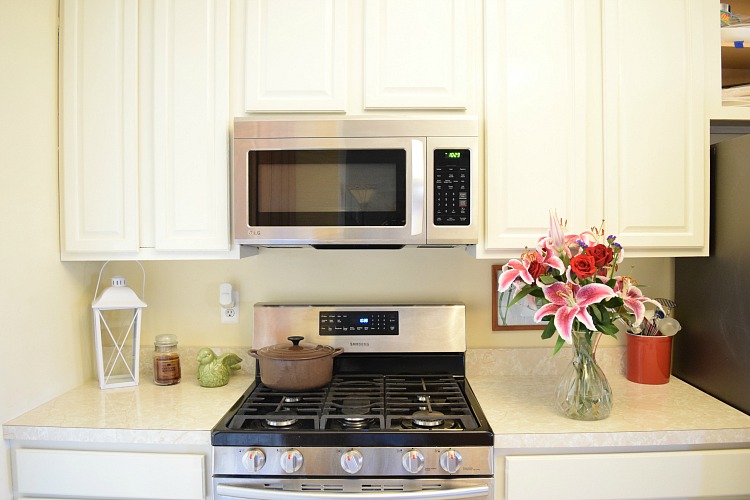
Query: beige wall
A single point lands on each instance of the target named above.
(43, 337)
(183, 297)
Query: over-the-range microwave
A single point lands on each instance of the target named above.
(356, 182)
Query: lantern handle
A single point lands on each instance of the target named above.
(99, 280)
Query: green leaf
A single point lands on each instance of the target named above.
(549, 330)
(523, 292)
(558, 345)
(597, 313)
(547, 279)
(607, 328)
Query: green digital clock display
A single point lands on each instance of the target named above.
(453, 154)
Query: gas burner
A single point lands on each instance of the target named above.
(428, 418)
(281, 419)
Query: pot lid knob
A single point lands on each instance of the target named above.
(296, 339)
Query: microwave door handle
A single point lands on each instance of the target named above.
(250, 493)
(418, 169)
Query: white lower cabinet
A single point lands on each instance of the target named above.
(52, 473)
(637, 475)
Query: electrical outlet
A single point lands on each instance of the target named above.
(231, 314)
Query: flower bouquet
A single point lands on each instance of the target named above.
(574, 277)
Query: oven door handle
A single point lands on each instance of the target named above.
(418, 168)
(229, 491)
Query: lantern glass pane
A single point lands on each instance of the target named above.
(119, 344)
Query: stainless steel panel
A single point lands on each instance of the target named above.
(422, 328)
(326, 461)
(370, 127)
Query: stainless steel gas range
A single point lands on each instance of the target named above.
(398, 419)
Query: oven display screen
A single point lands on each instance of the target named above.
(358, 323)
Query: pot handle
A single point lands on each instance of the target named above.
(337, 351)
(253, 353)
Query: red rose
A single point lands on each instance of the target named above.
(583, 265)
(536, 269)
(602, 254)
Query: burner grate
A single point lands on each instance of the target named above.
(267, 408)
(354, 403)
(360, 403)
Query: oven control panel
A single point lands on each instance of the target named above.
(327, 461)
(358, 323)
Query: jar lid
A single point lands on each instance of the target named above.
(295, 350)
(165, 339)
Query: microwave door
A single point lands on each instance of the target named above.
(332, 192)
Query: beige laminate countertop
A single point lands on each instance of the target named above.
(515, 388)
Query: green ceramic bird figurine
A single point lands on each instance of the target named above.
(214, 371)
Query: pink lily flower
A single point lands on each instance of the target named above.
(568, 302)
(531, 265)
(633, 298)
(511, 271)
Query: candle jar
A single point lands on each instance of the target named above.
(166, 360)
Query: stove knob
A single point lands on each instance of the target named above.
(451, 461)
(254, 459)
(291, 461)
(413, 461)
(351, 461)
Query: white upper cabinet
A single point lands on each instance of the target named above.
(602, 120)
(655, 132)
(543, 120)
(296, 54)
(144, 103)
(349, 57)
(416, 54)
(98, 126)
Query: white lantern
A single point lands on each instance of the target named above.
(117, 332)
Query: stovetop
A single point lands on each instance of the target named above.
(359, 410)
(360, 402)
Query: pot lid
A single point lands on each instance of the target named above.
(295, 350)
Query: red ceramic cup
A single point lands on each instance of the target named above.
(649, 359)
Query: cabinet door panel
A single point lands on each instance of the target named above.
(654, 128)
(99, 125)
(189, 169)
(688, 474)
(543, 108)
(296, 55)
(99, 474)
(416, 54)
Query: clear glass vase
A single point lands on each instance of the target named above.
(583, 392)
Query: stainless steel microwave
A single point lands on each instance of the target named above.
(356, 182)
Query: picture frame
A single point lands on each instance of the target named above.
(520, 316)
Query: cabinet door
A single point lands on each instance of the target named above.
(184, 162)
(417, 53)
(543, 120)
(679, 474)
(655, 131)
(109, 474)
(296, 55)
(99, 125)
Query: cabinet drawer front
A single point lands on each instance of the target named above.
(680, 474)
(98, 474)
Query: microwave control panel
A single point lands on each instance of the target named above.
(452, 202)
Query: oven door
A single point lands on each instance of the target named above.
(329, 191)
(353, 489)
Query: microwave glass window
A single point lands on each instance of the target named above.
(328, 187)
